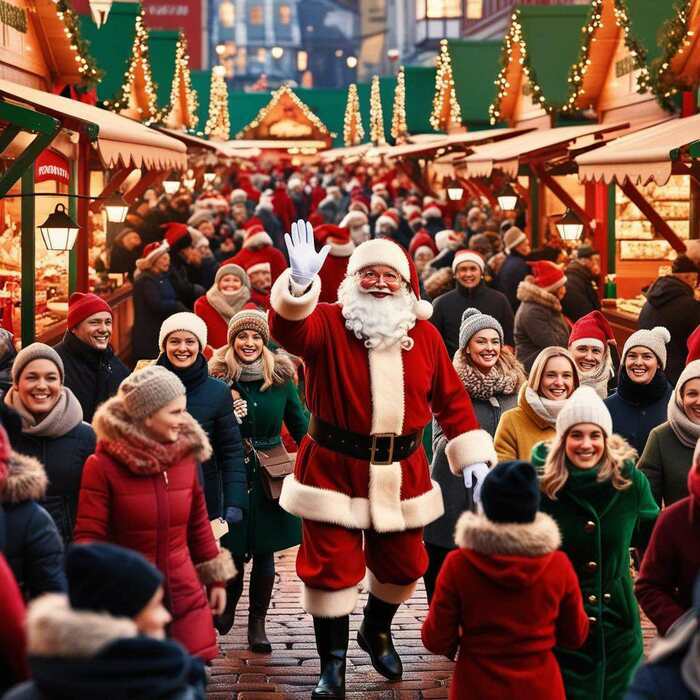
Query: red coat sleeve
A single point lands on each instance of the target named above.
(572, 623)
(440, 632)
(92, 521)
(13, 640)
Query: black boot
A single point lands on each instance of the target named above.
(260, 592)
(234, 588)
(332, 646)
(374, 636)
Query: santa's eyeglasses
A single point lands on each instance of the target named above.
(391, 279)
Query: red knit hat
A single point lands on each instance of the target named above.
(592, 326)
(325, 231)
(81, 306)
(151, 253)
(422, 239)
(177, 235)
(547, 275)
(693, 345)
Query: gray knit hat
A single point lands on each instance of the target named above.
(36, 351)
(513, 237)
(655, 339)
(146, 391)
(232, 269)
(472, 321)
(249, 320)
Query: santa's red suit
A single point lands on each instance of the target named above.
(333, 271)
(257, 248)
(383, 391)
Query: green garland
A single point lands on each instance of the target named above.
(87, 66)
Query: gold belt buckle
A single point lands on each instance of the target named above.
(373, 449)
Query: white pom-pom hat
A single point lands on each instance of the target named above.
(655, 339)
(382, 251)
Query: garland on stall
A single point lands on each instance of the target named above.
(636, 50)
(87, 67)
(447, 114)
(182, 81)
(399, 127)
(219, 123)
(376, 117)
(353, 131)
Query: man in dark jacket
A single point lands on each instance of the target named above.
(581, 284)
(183, 263)
(515, 268)
(671, 303)
(92, 371)
(470, 292)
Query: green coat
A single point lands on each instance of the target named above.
(598, 545)
(266, 527)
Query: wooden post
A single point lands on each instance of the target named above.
(82, 245)
(28, 245)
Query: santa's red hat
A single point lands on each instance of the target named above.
(422, 240)
(177, 235)
(341, 245)
(432, 211)
(378, 202)
(257, 262)
(389, 218)
(378, 187)
(151, 253)
(547, 275)
(413, 216)
(359, 203)
(354, 219)
(466, 255)
(447, 238)
(382, 251)
(693, 345)
(255, 234)
(592, 329)
(316, 219)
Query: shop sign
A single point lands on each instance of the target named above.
(13, 16)
(51, 166)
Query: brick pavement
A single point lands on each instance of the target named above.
(291, 670)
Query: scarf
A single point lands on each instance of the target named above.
(251, 372)
(193, 376)
(228, 305)
(598, 377)
(642, 394)
(584, 484)
(684, 428)
(62, 418)
(503, 378)
(547, 409)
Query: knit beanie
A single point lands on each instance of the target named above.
(183, 321)
(584, 406)
(693, 345)
(655, 340)
(467, 256)
(472, 322)
(510, 493)
(232, 269)
(249, 320)
(35, 351)
(108, 578)
(512, 238)
(81, 306)
(147, 390)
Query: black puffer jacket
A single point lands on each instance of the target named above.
(33, 547)
(671, 303)
(581, 296)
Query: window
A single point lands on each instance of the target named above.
(475, 9)
(285, 14)
(439, 19)
(439, 9)
(255, 16)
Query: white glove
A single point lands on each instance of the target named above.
(304, 261)
(240, 408)
(476, 472)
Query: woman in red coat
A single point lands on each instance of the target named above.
(140, 490)
(507, 596)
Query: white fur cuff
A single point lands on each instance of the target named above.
(217, 570)
(469, 448)
(321, 603)
(287, 305)
(389, 592)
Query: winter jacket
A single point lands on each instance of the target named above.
(217, 328)
(210, 403)
(92, 375)
(94, 656)
(581, 293)
(671, 563)
(666, 462)
(539, 323)
(513, 271)
(7, 358)
(182, 276)
(63, 459)
(33, 547)
(13, 661)
(505, 599)
(154, 301)
(598, 524)
(448, 310)
(132, 497)
(661, 680)
(671, 303)
(272, 226)
(519, 430)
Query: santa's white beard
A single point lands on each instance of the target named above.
(377, 321)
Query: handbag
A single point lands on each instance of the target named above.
(275, 464)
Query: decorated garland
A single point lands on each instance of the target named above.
(86, 63)
(399, 128)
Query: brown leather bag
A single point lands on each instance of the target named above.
(275, 463)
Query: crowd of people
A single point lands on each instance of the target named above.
(402, 387)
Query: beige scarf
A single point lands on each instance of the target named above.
(62, 418)
(228, 305)
(683, 428)
(546, 409)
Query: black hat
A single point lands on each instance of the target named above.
(684, 264)
(105, 577)
(510, 493)
(586, 251)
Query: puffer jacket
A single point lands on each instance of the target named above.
(33, 548)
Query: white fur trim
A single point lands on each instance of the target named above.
(320, 603)
(259, 267)
(432, 212)
(257, 239)
(385, 220)
(389, 592)
(353, 219)
(342, 250)
(380, 251)
(183, 321)
(443, 238)
(423, 249)
(385, 497)
(588, 341)
(467, 256)
(469, 448)
(287, 305)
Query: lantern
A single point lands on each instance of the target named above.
(570, 227)
(209, 176)
(454, 189)
(116, 208)
(59, 231)
(100, 11)
(189, 183)
(171, 184)
(507, 198)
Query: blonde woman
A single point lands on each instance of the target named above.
(600, 502)
(553, 378)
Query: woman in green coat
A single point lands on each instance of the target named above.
(602, 504)
(265, 396)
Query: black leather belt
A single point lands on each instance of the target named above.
(382, 448)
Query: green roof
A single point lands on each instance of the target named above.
(162, 45)
(475, 66)
(420, 89)
(646, 19)
(111, 45)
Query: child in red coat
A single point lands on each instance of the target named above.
(506, 597)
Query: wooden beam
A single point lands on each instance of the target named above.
(561, 194)
(148, 179)
(83, 241)
(115, 182)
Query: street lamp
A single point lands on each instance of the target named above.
(100, 11)
(455, 191)
(351, 62)
(116, 208)
(59, 231)
(277, 52)
(570, 227)
(171, 184)
(507, 198)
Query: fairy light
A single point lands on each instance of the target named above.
(447, 114)
(376, 117)
(399, 128)
(353, 131)
(182, 83)
(577, 72)
(87, 68)
(218, 123)
(635, 48)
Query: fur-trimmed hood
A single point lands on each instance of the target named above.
(56, 629)
(620, 450)
(26, 480)
(529, 291)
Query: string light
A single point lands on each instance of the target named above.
(447, 114)
(376, 116)
(399, 128)
(577, 72)
(182, 83)
(353, 131)
(637, 52)
(219, 123)
(87, 67)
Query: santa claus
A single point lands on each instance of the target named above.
(376, 374)
(333, 271)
